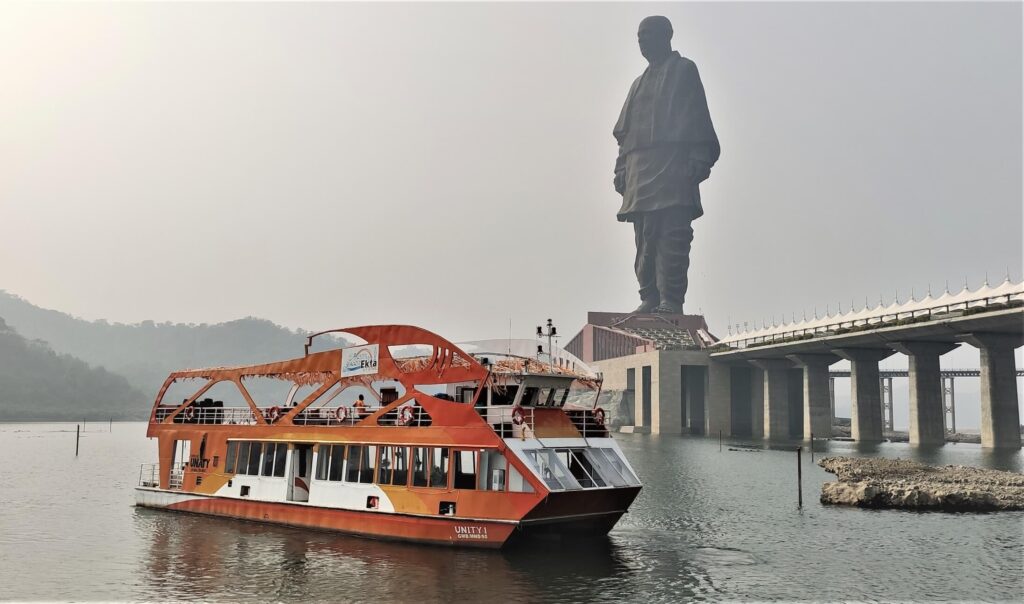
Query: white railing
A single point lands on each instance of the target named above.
(333, 416)
(507, 422)
(149, 475)
(586, 422)
(242, 416)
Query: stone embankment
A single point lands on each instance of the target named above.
(901, 483)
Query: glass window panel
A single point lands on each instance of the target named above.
(243, 457)
(420, 467)
(620, 467)
(529, 396)
(386, 465)
(400, 473)
(355, 460)
(439, 467)
(605, 469)
(336, 463)
(366, 469)
(323, 458)
(280, 459)
(229, 464)
(268, 459)
(492, 470)
(516, 482)
(254, 459)
(465, 469)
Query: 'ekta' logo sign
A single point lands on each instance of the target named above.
(360, 360)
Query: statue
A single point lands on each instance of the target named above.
(667, 146)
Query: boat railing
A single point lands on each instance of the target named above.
(333, 416)
(149, 475)
(586, 421)
(510, 422)
(242, 416)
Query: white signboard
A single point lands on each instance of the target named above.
(359, 360)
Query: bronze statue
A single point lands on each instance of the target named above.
(667, 146)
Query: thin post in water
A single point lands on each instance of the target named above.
(77, 434)
(812, 447)
(719, 441)
(799, 480)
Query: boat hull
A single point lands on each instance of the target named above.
(453, 531)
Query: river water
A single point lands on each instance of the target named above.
(709, 525)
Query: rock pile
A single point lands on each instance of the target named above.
(901, 483)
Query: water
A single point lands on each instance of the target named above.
(708, 526)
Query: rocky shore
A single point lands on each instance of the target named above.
(901, 483)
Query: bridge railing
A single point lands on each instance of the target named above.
(899, 317)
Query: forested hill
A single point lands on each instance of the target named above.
(146, 352)
(38, 384)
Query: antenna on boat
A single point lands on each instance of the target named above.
(552, 332)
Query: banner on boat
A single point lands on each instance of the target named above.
(359, 360)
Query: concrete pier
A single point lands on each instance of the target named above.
(865, 392)
(927, 425)
(756, 402)
(1000, 416)
(776, 397)
(817, 407)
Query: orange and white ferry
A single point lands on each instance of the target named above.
(397, 434)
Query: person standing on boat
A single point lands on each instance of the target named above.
(360, 407)
(667, 146)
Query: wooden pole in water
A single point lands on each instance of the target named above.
(719, 441)
(799, 480)
(812, 447)
(77, 434)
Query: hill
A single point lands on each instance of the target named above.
(36, 383)
(144, 353)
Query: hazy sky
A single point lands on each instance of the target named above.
(449, 165)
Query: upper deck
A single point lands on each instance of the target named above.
(393, 377)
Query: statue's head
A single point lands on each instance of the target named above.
(655, 38)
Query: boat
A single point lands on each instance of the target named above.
(393, 432)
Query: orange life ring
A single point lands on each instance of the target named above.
(405, 415)
(190, 412)
(599, 416)
(341, 413)
(518, 416)
(275, 413)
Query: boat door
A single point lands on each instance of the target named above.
(302, 470)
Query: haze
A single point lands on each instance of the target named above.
(450, 165)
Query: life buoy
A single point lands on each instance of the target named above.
(275, 413)
(599, 416)
(341, 413)
(405, 415)
(190, 412)
(518, 416)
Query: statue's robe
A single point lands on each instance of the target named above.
(667, 144)
(664, 125)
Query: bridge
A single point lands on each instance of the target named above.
(792, 362)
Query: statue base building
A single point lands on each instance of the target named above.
(656, 371)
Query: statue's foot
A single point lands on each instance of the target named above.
(669, 309)
(646, 307)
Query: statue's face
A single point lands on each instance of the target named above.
(655, 37)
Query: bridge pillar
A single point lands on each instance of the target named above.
(927, 412)
(776, 397)
(1000, 415)
(865, 392)
(756, 402)
(817, 402)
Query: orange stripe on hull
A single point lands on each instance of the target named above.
(440, 531)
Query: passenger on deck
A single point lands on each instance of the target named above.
(360, 407)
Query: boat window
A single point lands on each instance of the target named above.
(355, 453)
(439, 467)
(400, 469)
(268, 459)
(337, 463)
(420, 466)
(367, 465)
(254, 459)
(243, 457)
(530, 394)
(516, 482)
(503, 395)
(604, 468)
(552, 471)
(229, 465)
(581, 468)
(465, 394)
(613, 460)
(322, 461)
(386, 463)
(465, 469)
(492, 470)
(280, 459)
